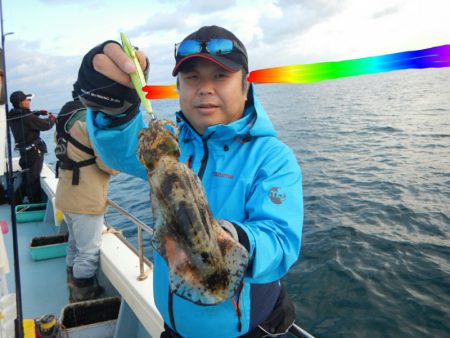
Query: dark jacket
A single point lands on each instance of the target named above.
(26, 126)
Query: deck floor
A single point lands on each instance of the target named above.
(43, 283)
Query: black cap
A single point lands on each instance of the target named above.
(234, 61)
(18, 97)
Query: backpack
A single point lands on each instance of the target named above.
(64, 121)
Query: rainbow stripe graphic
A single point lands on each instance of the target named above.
(155, 92)
(434, 57)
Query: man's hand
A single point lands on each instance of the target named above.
(104, 82)
(51, 117)
(116, 65)
(229, 228)
(40, 112)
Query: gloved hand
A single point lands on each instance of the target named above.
(101, 89)
(230, 228)
(51, 117)
(40, 112)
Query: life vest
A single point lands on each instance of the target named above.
(63, 124)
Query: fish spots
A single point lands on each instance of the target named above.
(218, 280)
(205, 265)
(206, 257)
(168, 183)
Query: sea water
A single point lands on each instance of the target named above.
(375, 157)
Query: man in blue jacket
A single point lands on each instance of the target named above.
(252, 180)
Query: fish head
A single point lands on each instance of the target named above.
(159, 140)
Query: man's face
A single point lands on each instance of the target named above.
(25, 104)
(210, 95)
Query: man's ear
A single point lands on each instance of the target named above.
(245, 83)
(246, 88)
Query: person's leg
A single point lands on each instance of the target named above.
(71, 251)
(23, 190)
(86, 231)
(35, 194)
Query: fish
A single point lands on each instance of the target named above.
(206, 264)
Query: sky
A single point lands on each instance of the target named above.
(50, 37)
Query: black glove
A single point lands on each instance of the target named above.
(100, 93)
(41, 112)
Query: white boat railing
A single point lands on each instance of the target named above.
(140, 226)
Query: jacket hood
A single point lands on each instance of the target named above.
(254, 122)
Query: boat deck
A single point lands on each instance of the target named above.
(43, 283)
(40, 295)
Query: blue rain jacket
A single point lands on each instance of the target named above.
(251, 179)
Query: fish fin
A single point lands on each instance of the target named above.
(193, 292)
(236, 260)
(220, 284)
(160, 231)
(156, 210)
(184, 278)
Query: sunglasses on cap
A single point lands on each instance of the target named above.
(212, 46)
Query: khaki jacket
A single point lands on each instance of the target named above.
(90, 195)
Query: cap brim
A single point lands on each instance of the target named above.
(225, 63)
(29, 96)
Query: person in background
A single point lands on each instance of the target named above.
(252, 180)
(26, 126)
(81, 194)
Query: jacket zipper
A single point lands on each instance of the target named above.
(204, 160)
(171, 315)
(237, 306)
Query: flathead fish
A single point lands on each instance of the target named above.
(206, 264)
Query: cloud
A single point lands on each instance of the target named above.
(74, 2)
(162, 22)
(208, 6)
(49, 77)
(186, 17)
(385, 12)
(275, 32)
(291, 17)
